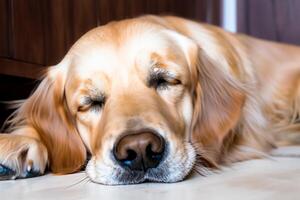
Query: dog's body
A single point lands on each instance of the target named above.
(150, 98)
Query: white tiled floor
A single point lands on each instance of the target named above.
(274, 178)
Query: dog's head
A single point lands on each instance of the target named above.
(142, 98)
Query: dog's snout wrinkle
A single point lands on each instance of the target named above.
(134, 123)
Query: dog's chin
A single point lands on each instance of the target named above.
(174, 168)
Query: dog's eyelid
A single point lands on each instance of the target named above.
(95, 102)
(162, 78)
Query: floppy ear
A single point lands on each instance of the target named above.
(217, 97)
(218, 101)
(46, 111)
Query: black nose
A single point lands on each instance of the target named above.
(140, 151)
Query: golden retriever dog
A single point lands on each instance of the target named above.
(152, 99)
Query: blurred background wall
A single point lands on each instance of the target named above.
(37, 33)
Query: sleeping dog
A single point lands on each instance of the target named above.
(152, 98)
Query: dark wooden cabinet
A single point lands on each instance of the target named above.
(38, 33)
(276, 20)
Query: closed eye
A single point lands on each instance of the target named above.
(161, 79)
(161, 82)
(92, 103)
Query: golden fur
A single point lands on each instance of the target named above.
(227, 98)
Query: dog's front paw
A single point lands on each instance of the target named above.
(6, 173)
(21, 157)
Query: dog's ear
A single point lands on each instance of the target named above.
(218, 97)
(46, 111)
(218, 101)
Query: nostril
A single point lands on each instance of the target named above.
(153, 156)
(131, 155)
(150, 153)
